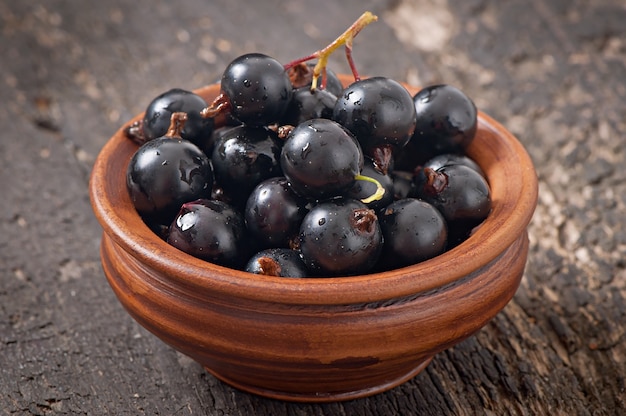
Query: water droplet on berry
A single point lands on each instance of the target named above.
(186, 221)
(305, 151)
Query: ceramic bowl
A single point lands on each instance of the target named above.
(316, 339)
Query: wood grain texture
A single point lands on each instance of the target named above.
(552, 72)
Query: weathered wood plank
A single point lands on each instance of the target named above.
(72, 72)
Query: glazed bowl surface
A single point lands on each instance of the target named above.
(318, 339)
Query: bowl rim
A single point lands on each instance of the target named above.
(513, 198)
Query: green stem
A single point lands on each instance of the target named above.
(346, 39)
(380, 191)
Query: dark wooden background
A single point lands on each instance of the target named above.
(553, 72)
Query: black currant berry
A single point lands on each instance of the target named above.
(257, 89)
(273, 213)
(340, 237)
(321, 159)
(157, 117)
(210, 230)
(460, 193)
(413, 231)
(279, 262)
(446, 119)
(166, 172)
(243, 157)
(216, 136)
(307, 104)
(380, 113)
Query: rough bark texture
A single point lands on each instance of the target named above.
(552, 72)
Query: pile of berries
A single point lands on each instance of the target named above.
(288, 173)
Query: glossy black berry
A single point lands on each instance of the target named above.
(321, 159)
(413, 231)
(273, 213)
(157, 117)
(164, 173)
(307, 104)
(210, 230)
(460, 193)
(279, 262)
(217, 134)
(243, 157)
(380, 113)
(258, 89)
(446, 119)
(340, 237)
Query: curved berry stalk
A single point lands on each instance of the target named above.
(377, 195)
(345, 39)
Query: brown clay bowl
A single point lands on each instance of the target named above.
(315, 339)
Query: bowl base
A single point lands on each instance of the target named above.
(321, 397)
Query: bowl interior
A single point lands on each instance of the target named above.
(509, 171)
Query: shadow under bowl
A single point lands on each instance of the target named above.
(316, 339)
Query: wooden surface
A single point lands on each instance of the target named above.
(553, 72)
